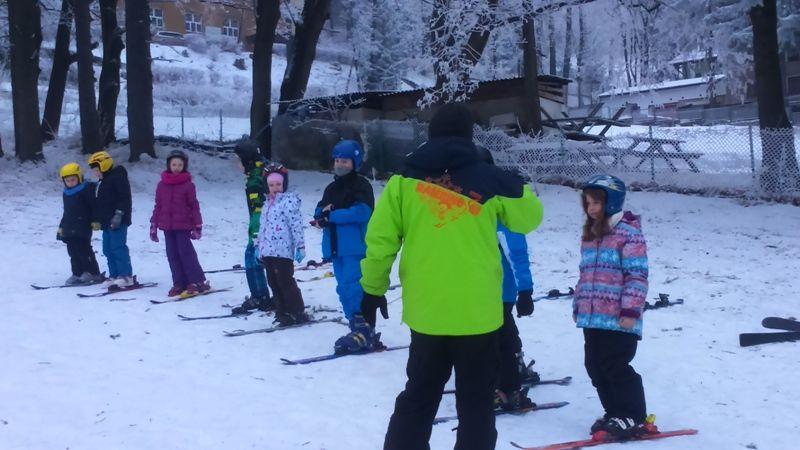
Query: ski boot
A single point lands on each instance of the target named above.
(526, 373)
(193, 289)
(122, 283)
(73, 280)
(288, 319)
(361, 338)
(251, 303)
(598, 424)
(88, 278)
(622, 428)
(175, 291)
(515, 400)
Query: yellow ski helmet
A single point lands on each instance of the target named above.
(102, 160)
(71, 169)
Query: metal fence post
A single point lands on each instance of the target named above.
(752, 155)
(652, 157)
(182, 129)
(220, 127)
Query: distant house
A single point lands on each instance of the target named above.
(222, 19)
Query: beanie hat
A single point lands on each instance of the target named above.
(451, 120)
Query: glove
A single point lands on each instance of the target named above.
(196, 234)
(116, 219)
(369, 304)
(299, 254)
(153, 232)
(96, 226)
(60, 234)
(524, 303)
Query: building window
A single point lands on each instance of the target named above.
(194, 23)
(157, 18)
(231, 28)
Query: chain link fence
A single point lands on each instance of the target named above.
(723, 160)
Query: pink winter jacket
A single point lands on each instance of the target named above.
(176, 205)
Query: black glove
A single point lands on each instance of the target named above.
(369, 304)
(524, 303)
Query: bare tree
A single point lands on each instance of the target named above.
(302, 50)
(533, 121)
(62, 59)
(581, 51)
(777, 137)
(25, 30)
(567, 64)
(87, 102)
(109, 74)
(268, 12)
(140, 79)
(551, 35)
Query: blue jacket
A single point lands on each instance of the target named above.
(353, 201)
(516, 266)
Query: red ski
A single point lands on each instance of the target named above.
(604, 438)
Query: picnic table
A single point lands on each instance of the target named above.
(655, 150)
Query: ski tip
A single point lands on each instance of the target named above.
(288, 362)
(515, 445)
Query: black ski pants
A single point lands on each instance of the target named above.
(81, 257)
(430, 362)
(285, 292)
(510, 349)
(608, 357)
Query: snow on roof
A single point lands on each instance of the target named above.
(697, 55)
(660, 86)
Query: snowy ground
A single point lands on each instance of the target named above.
(160, 383)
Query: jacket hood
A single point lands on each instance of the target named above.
(632, 220)
(445, 153)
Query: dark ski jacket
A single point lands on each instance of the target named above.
(353, 201)
(113, 193)
(76, 222)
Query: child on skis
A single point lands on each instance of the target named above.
(75, 228)
(252, 164)
(343, 214)
(177, 213)
(609, 303)
(112, 210)
(280, 241)
(517, 290)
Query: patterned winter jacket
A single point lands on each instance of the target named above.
(613, 278)
(282, 227)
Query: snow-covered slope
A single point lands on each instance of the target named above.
(160, 383)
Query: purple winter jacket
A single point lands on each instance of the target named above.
(176, 205)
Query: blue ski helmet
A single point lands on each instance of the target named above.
(349, 149)
(614, 188)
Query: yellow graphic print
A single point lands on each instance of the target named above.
(445, 204)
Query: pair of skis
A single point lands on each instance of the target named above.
(328, 357)
(323, 319)
(553, 294)
(662, 302)
(184, 297)
(558, 381)
(314, 310)
(116, 290)
(310, 265)
(790, 333)
(61, 286)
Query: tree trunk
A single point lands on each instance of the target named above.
(532, 120)
(779, 165)
(551, 33)
(25, 32)
(627, 58)
(268, 12)
(1, 147)
(140, 79)
(304, 49)
(109, 74)
(62, 59)
(87, 102)
(566, 65)
(581, 50)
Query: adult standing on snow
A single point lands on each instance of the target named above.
(443, 210)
